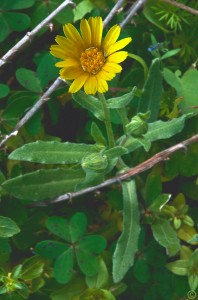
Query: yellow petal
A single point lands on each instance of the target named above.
(118, 45)
(62, 41)
(102, 86)
(96, 27)
(78, 83)
(111, 36)
(117, 57)
(85, 32)
(72, 33)
(57, 51)
(112, 68)
(105, 75)
(70, 73)
(91, 85)
(70, 62)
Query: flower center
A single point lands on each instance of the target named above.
(92, 60)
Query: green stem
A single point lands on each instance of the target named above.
(123, 115)
(107, 120)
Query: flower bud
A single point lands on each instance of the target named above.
(176, 223)
(94, 162)
(138, 125)
(188, 221)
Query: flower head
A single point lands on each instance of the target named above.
(87, 59)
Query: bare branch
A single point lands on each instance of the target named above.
(146, 165)
(29, 35)
(46, 95)
(134, 8)
(33, 110)
(114, 11)
(182, 6)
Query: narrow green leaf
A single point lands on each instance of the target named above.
(122, 101)
(179, 267)
(152, 91)
(87, 250)
(51, 249)
(69, 291)
(166, 236)
(173, 80)
(63, 267)
(52, 152)
(28, 80)
(127, 245)
(115, 152)
(141, 61)
(16, 272)
(8, 227)
(43, 184)
(32, 268)
(157, 131)
(101, 279)
(97, 135)
(90, 103)
(151, 16)
(159, 203)
(153, 187)
(189, 83)
(170, 53)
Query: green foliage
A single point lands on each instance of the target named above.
(152, 91)
(126, 247)
(132, 239)
(8, 227)
(85, 248)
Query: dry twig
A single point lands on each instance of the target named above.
(58, 81)
(144, 166)
(33, 110)
(30, 35)
(132, 11)
(182, 6)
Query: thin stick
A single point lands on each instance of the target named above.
(33, 110)
(46, 95)
(182, 6)
(134, 8)
(29, 35)
(146, 165)
(114, 11)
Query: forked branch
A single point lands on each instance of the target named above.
(58, 81)
(30, 35)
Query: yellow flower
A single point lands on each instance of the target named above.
(86, 58)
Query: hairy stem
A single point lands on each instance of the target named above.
(107, 120)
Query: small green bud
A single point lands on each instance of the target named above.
(176, 223)
(188, 221)
(95, 162)
(138, 125)
(169, 210)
